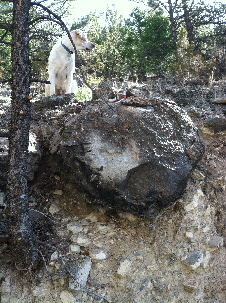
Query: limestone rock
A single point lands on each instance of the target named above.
(74, 227)
(75, 249)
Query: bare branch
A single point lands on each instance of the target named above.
(40, 81)
(6, 43)
(60, 21)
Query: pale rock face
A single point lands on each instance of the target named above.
(114, 161)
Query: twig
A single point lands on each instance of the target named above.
(45, 215)
(43, 259)
(40, 81)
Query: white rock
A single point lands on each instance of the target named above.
(54, 256)
(53, 209)
(58, 192)
(197, 199)
(74, 248)
(83, 240)
(189, 234)
(98, 254)
(80, 271)
(67, 297)
(124, 267)
(74, 227)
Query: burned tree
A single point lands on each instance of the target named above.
(21, 235)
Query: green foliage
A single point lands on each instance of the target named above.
(5, 34)
(190, 66)
(84, 94)
(148, 44)
(106, 60)
(141, 45)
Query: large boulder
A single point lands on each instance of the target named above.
(134, 154)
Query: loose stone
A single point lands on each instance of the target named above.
(80, 271)
(190, 285)
(81, 240)
(67, 297)
(194, 259)
(98, 254)
(74, 227)
(74, 248)
(53, 209)
(216, 241)
(124, 267)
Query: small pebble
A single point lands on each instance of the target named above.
(124, 267)
(74, 227)
(53, 209)
(74, 248)
(67, 297)
(81, 240)
(98, 254)
(190, 285)
(216, 241)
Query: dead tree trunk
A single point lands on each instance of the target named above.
(21, 235)
(173, 27)
(188, 22)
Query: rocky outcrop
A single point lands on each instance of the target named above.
(135, 154)
(105, 256)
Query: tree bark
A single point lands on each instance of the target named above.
(173, 27)
(21, 235)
